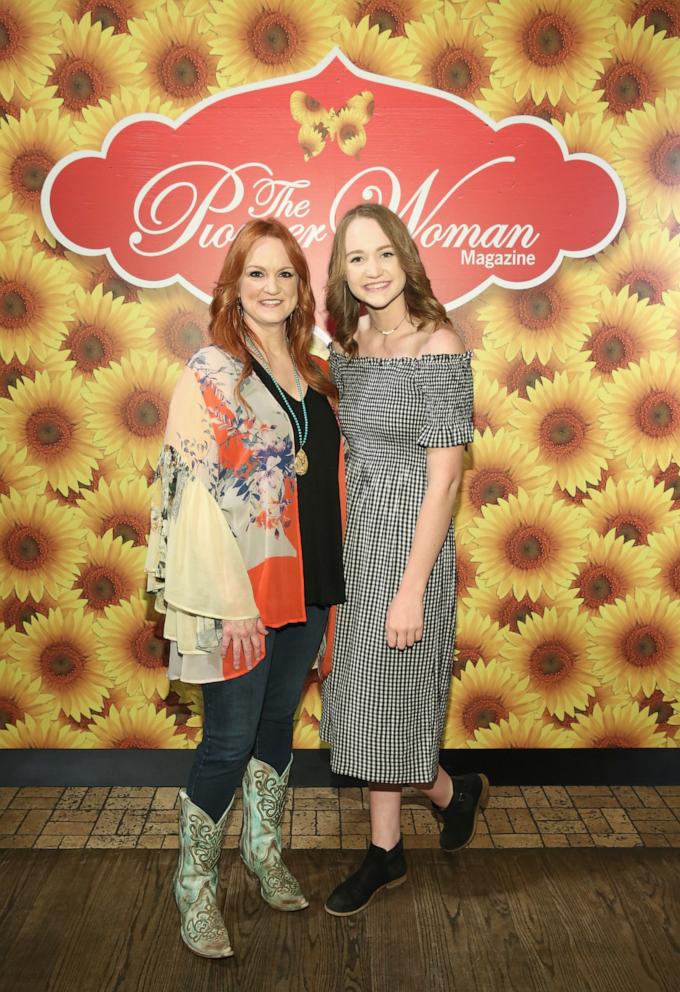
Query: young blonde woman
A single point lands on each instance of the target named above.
(405, 388)
(245, 558)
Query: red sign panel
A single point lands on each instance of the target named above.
(484, 201)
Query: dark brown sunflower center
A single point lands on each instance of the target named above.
(522, 376)
(538, 308)
(389, 16)
(644, 645)
(101, 586)
(468, 653)
(671, 480)
(347, 132)
(528, 548)
(545, 110)
(465, 573)
(673, 576)
(91, 347)
(29, 171)
(79, 83)
(273, 38)
(549, 40)
(183, 71)
(597, 585)
(10, 35)
(17, 304)
(481, 712)
(665, 160)
(11, 374)
(128, 743)
(662, 16)
(17, 613)
(127, 526)
(457, 71)
(614, 740)
(658, 414)
(551, 661)
(62, 662)
(112, 283)
(49, 432)
(26, 548)
(490, 485)
(613, 348)
(515, 611)
(626, 87)
(630, 527)
(109, 15)
(648, 285)
(144, 413)
(562, 432)
(148, 650)
(10, 713)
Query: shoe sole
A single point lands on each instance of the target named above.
(352, 912)
(211, 957)
(280, 909)
(482, 803)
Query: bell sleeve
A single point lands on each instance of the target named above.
(194, 566)
(446, 385)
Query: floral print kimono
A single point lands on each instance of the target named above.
(225, 536)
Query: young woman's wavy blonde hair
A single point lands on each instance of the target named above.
(421, 303)
(227, 327)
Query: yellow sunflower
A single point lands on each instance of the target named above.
(642, 66)
(306, 733)
(664, 557)
(260, 41)
(41, 99)
(121, 507)
(30, 147)
(662, 709)
(499, 102)
(34, 303)
(92, 64)
(625, 726)
(509, 611)
(635, 643)
(591, 134)
(647, 264)
(662, 15)
(632, 508)
(45, 417)
(613, 569)
(500, 466)
(43, 734)
(309, 112)
(16, 472)
(670, 480)
(450, 53)
(374, 50)
(95, 122)
(492, 405)
(642, 411)
(519, 376)
(627, 330)
(485, 694)
(180, 706)
(648, 156)
(555, 47)
(16, 613)
(179, 321)
(132, 647)
(127, 406)
(477, 639)
(13, 227)
(311, 141)
(310, 700)
(19, 694)
(141, 726)
(61, 650)
(29, 32)
(113, 571)
(90, 272)
(392, 16)
(176, 47)
(559, 420)
(347, 129)
(40, 546)
(103, 329)
(552, 317)
(109, 13)
(529, 545)
(528, 732)
(551, 651)
(671, 308)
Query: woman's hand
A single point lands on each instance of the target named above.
(404, 623)
(244, 637)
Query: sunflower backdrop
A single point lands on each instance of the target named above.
(569, 521)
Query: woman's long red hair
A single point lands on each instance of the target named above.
(227, 327)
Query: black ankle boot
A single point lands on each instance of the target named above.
(470, 793)
(380, 869)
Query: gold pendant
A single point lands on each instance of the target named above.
(301, 462)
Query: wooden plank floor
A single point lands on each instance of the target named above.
(584, 920)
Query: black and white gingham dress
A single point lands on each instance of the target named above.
(383, 709)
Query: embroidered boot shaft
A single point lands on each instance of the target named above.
(264, 797)
(195, 881)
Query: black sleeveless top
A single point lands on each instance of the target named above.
(318, 495)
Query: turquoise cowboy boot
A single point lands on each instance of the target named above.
(264, 796)
(195, 881)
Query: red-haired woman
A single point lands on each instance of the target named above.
(245, 559)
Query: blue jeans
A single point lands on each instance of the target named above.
(253, 714)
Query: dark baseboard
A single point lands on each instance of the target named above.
(646, 766)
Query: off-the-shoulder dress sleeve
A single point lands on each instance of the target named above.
(194, 565)
(446, 384)
(337, 363)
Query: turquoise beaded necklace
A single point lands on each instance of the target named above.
(301, 462)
